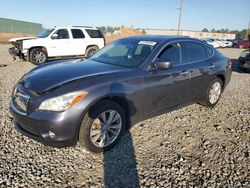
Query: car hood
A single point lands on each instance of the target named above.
(21, 38)
(46, 77)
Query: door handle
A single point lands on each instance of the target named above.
(211, 66)
(183, 73)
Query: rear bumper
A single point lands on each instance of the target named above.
(228, 75)
(244, 65)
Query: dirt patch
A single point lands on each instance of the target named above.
(122, 32)
(4, 37)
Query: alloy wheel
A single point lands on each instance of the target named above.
(214, 93)
(39, 57)
(105, 128)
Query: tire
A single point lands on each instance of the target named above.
(91, 128)
(207, 100)
(38, 56)
(91, 51)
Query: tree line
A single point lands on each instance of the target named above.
(239, 34)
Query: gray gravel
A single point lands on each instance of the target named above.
(190, 147)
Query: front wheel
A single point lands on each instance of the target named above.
(213, 93)
(38, 56)
(102, 126)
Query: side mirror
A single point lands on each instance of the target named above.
(160, 65)
(163, 65)
(55, 36)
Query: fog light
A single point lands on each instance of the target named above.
(50, 134)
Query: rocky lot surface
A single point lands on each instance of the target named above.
(190, 147)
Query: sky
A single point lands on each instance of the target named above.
(154, 14)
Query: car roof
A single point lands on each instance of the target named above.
(158, 38)
(72, 27)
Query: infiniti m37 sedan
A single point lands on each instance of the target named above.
(94, 101)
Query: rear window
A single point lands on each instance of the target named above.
(195, 51)
(94, 33)
(77, 33)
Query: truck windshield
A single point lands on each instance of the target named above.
(44, 33)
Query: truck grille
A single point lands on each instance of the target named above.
(20, 100)
(18, 45)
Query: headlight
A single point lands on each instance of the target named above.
(244, 53)
(63, 102)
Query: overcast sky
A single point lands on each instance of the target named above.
(196, 15)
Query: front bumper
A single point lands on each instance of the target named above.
(14, 52)
(38, 124)
(244, 62)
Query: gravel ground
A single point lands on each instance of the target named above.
(190, 147)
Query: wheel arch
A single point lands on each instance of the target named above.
(222, 77)
(92, 45)
(120, 100)
(34, 47)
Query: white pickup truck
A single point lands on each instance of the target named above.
(58, 42)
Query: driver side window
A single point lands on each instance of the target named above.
(62, 33)
(171, 53)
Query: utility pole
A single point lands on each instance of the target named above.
(179, 19)
(248, 28)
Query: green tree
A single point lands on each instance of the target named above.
(205, 30)
(234, 31)
(213, 30)
(102, 29)
(243, 33)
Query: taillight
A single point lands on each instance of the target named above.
(104, 41)
(229, 64)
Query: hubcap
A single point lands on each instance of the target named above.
(39, 57)
(91, 52)
(214, 93)
(106, 128)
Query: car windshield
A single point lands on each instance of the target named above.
(44, 33)
(127, 53)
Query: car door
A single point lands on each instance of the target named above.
(164, 89)
(78, 42)
(61, 45)
(198, 57)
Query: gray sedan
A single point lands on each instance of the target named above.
(94, 101)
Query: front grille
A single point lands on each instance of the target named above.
(20, 100)
(18, 45)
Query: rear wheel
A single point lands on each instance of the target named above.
(91, 51)
(102, 126)
(38, 56)
(213, 94)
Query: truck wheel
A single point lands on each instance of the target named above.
(102, 126)
(213, 93)
(91, 51)
(38, 56)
